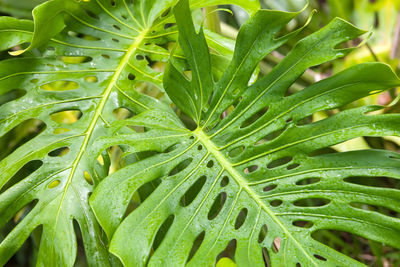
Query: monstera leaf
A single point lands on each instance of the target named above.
(85, 60)
(253, 176)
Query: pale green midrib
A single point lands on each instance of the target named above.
(99, 109)
(225, 164)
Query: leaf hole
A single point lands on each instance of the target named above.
(22, 173)
(269, 137)
(66, 116)
(54, 184)
(116, 27)
(91, 14)
(162, 231)
(224, 181)
(131, 76)
(192, 192)
(199, 147)
(115, 40)
(293, 166)
(383, 182)
(62, 85)
(210, 164)
(27, 130)
(251, 169)
(122, 113)
(59, 152)
(166, 12)
(241, 218)
(276, 245)
(91, 79)
(139, 57)
(262, 234)
(168, 25)
(375, 208)
(266, 257)
(303, 224)
(196, 245)
(88, 177)
(270, 187)
(236, 151)
(180, 167)
(276, 203)
(308, 181)
(229, 251)
(279, 162)
(254, 117)
(217, 206)
(319, 257)
(75, 59)
(312, 202)
(105, 56)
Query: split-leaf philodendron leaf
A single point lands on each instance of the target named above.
(253, 175)
(85, 59)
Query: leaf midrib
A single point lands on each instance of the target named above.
(225, 164)
(88, 133)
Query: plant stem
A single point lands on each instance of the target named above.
(212, 20)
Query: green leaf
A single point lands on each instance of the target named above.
(87, 60)
(252, 177)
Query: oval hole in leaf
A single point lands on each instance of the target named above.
(319, 257)
(59, 152)
(193, 191)
(375, 208)
(303, 224)
(66, 116)
(180, 167)
(269, 137)
(384, 182)
(91, 14)
(276, 203)
(217, 206)
(236, 151)
(241, 218)
(91, 79)
(53, 184)
(270, 187)
(266, 257)
(279, 162)
(11, 95)
(254, 117)
(307, 181)
(196, 245)
(59, 86)
(210, 164)
(224, 181)
(293, 166)
(251, 169)
(75, 59)
(312, 202)
(88, 177)
(276, 245)
(262, 234)
(122, 113)
(162, 231)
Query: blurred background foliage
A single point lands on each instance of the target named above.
(381, 18)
